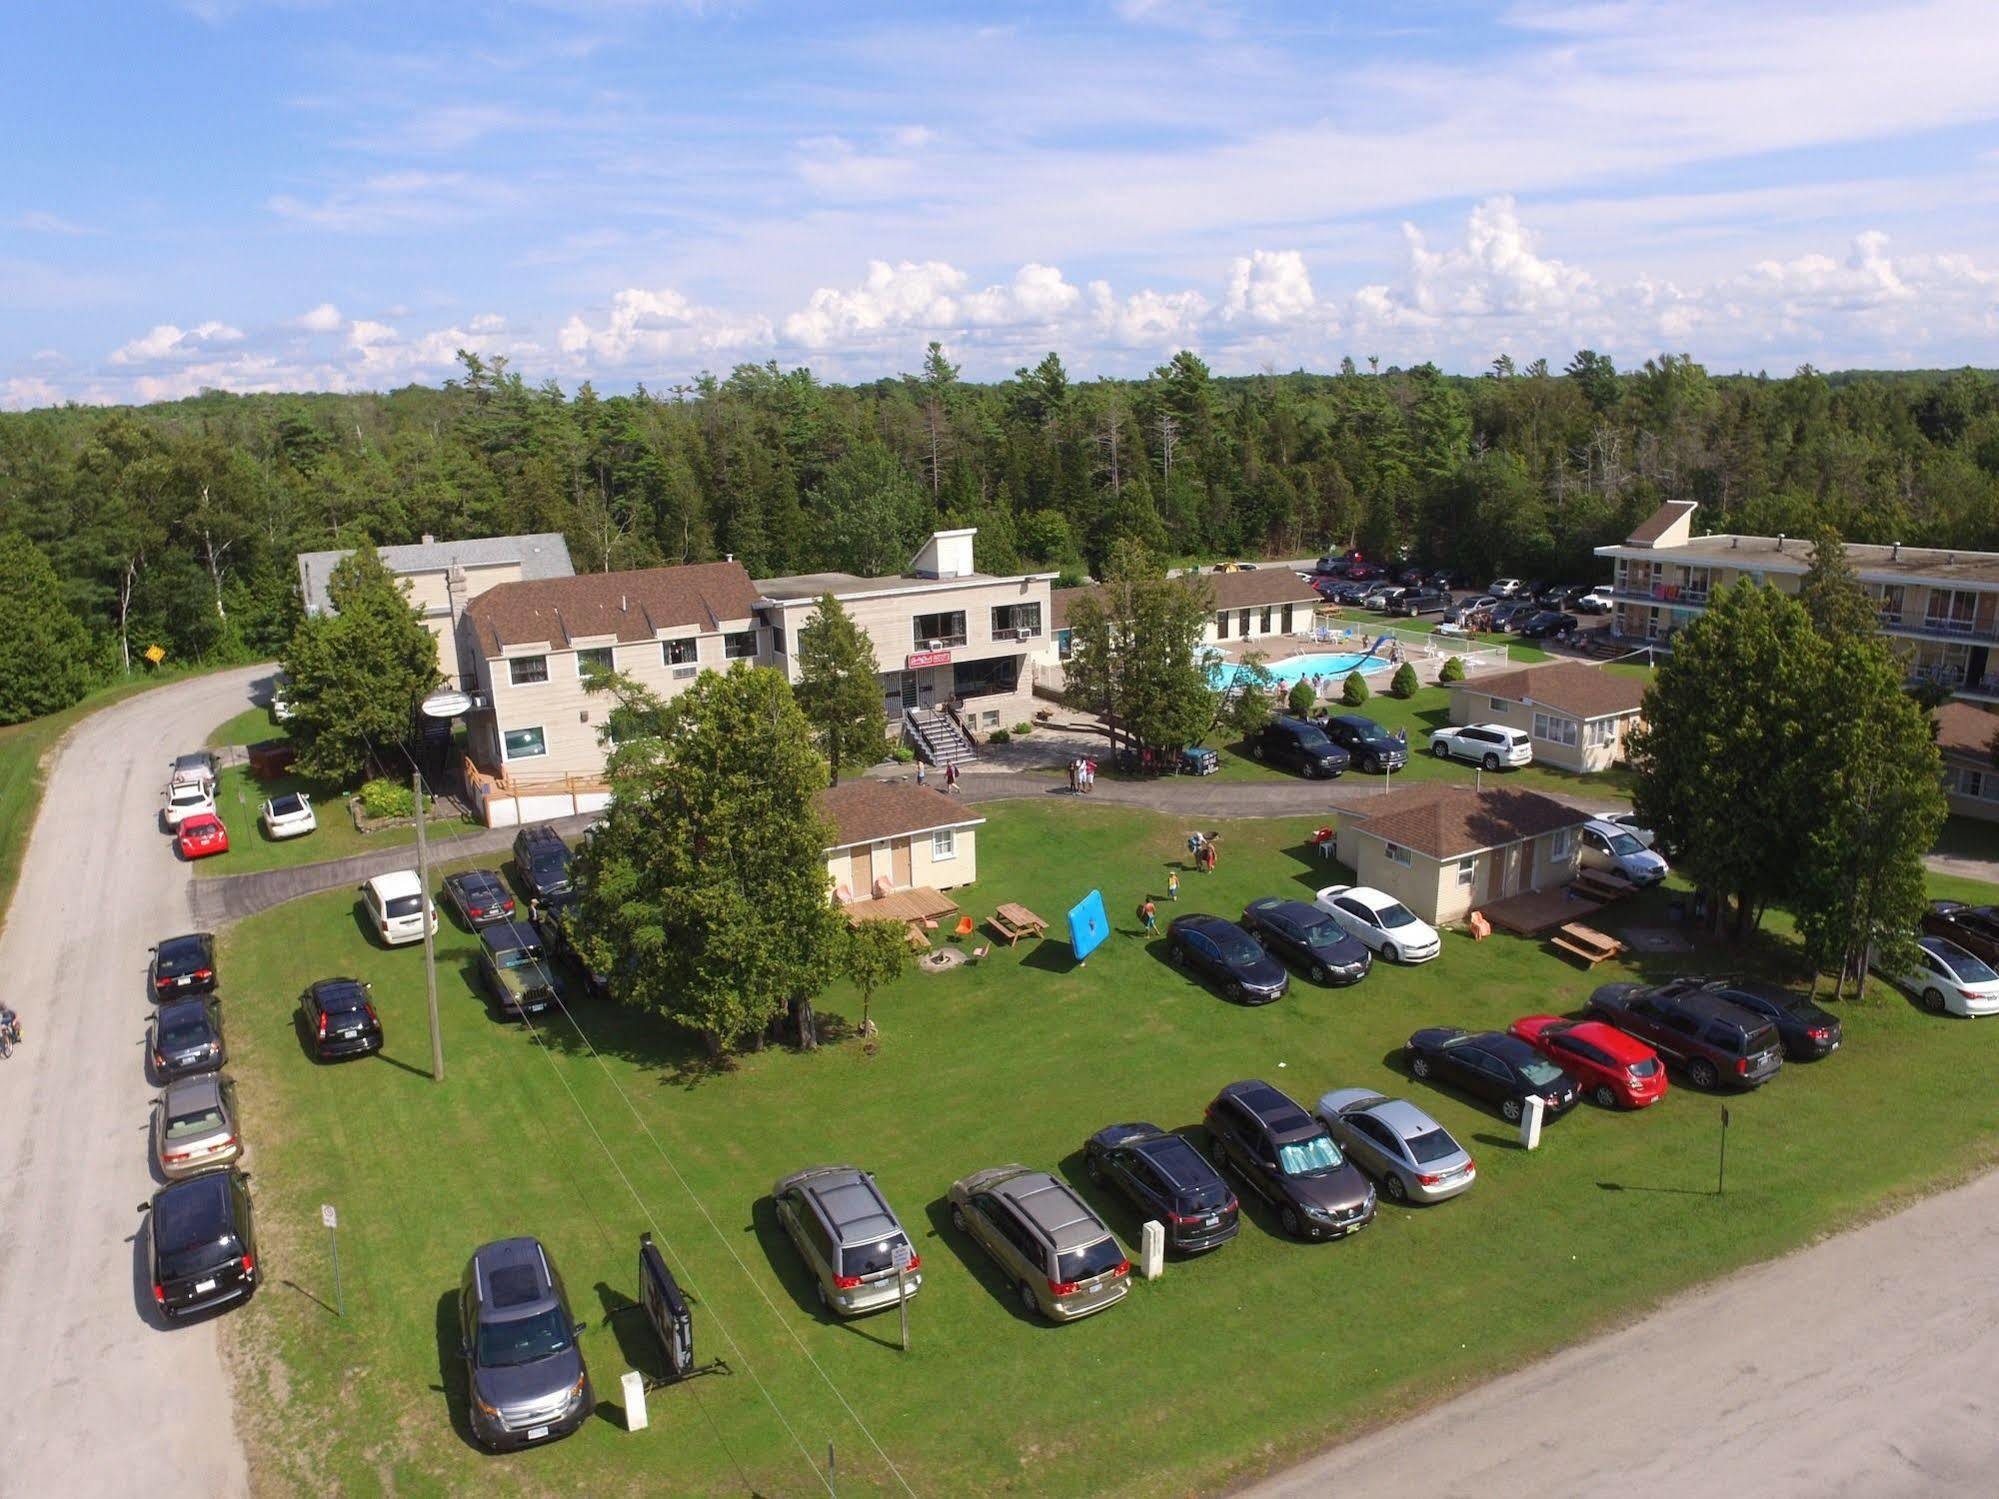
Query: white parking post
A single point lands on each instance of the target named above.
(1530, 1124)
(635, 1400)
(1152, 1249)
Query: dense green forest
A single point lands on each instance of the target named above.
(177, 524)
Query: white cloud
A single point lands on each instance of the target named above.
(655, 325)
(1497, 273)
(325, 318)
(388, 202)
(833, 167)
(24, 392)
(40, 221)
(909, 294)
(1269, 286)
(164, 341)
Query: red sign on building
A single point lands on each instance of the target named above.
(920, 659)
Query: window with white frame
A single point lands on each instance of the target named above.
(1555, 729)
(524, 670)
(1499, 704)
(523, 744)
(1398, 855)
(1467, 871)
(598, 658)
(943, 845)
(1979, 785)
(1599, 732)
(683, 657)
(1561, 843)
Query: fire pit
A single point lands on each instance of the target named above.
(940, 961)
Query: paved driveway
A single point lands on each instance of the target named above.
(101, 1398)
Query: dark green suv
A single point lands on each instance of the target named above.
(514, 968)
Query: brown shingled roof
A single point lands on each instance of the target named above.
(1446, 821)
(868, 811)
(1567, 687)
(631, 606)
(1659, 522)
(1965, 732)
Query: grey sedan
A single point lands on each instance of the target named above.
(194, 1125)
(1409, 1153)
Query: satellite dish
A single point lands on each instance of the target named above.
(446, 705)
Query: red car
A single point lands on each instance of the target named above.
(1616, 1070)
(203, 835)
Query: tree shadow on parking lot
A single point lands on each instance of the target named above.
(451, 1370)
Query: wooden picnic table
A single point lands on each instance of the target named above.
(1013, 921)
(1587, 943)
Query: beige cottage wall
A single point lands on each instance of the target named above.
(1301, 623)
(852, 866)
(1470, 705)
(1431, 888)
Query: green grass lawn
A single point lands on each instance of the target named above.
(1520, 652)
(240, 797)
(251, 726)
(1229, 1365)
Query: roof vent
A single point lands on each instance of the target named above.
(429, 540)
(1895, 552)
(1734, 542)
(1780, 541)
(624, 603)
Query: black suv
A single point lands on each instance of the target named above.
(1291, 1161)
(1224, 951)
(543, 860)
(1167, 1180)
(204, 1244)
(1298, 745)
(1368, 745)
(338, 1019)
(184, 965)
(1423, 601)
(1501, 1068)
(1307, 938)
(525, 1376)
(1715, 1040)
(186, 1038)
(1807, 1031)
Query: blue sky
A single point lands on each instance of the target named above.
(263, 194)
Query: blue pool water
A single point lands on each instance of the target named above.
(1296, 668)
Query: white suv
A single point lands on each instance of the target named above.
(397, 907)
(1489, 744)
(187, 798)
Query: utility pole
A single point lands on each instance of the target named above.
(429, 936)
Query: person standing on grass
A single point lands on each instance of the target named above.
(1149, 914)
(1173, 884)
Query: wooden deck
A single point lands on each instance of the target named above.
(1537, 910)
(919, 905)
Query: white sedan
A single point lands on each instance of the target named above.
(1382, 922)
(1951, 981)
(289, 816)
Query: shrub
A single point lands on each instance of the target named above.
(1355, 692)
(1303, 696)
(1404, 683)
(999, 736)
(387, 799)
(902, 754)
(1022, 728)
(1453, 670)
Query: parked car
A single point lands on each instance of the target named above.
(1616, 1070)
(184, 1037)
(1506, 588)
(1605, 845)
(1973, 928)
(1713, 1041)
(1629, 822)
(1807, 1031)
(185, 799)
(1289, 1159)
(1416, 601)
(1543, 623)
(194, 1125)
(1331, 565)
(1413, 1157)
(1559, 595)
(1409, 574)
(202, 836)
(557, 921)
(289, 816)
(1381, 922)
(200, 765)
(1368, 745)
(1470, 604)
(337, 1017)
(1225, 953)
(1362, 572)
(1168, 1181)
(1499, 1068)
(281, 698)
(479, 896)
(525, 1378)
(202, 1243)
(1491, 745)
(512, 970)
(1380, 594)
(1347, 594)
(1308, 938)
(1063, 1261)
(543, 860)
(845, 1231)
(1451, 578)
(397, 907)
(1298, 745)
(1596, 601)
(1950, 980)
(184, 965)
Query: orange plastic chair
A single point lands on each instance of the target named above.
(964, 928)
(1480, 927)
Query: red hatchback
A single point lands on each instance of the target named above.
(201, 836)
(1616, 1070)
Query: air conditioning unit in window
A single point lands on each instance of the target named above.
(1023, 633)
(933, 645)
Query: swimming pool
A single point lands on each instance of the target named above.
(1293, 669)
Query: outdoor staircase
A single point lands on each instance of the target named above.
(938, 738)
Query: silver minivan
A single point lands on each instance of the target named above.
(1064, 1262)
(847, 1235)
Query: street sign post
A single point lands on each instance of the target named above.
(1721, 1174)
(899, 1257)
(332, 1221)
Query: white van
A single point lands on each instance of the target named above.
(397, 907)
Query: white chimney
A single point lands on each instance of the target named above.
(428, 539)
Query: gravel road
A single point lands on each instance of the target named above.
(103, 1398)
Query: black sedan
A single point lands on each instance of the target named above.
(479, 896)
(1492, 1065)
(1307, 938)
(339, 1019)
(204, 1245)
(1807, 1031)
(185, 1038)
(184, 965)
(1168, 1181)
(1227, 954)
(1542, 623)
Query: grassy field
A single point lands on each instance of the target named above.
(251, 726)
(240, 797)
(1520, 652)
(1228, 1365)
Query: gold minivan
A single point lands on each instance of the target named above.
(1064, 1262)
(847, 1235)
